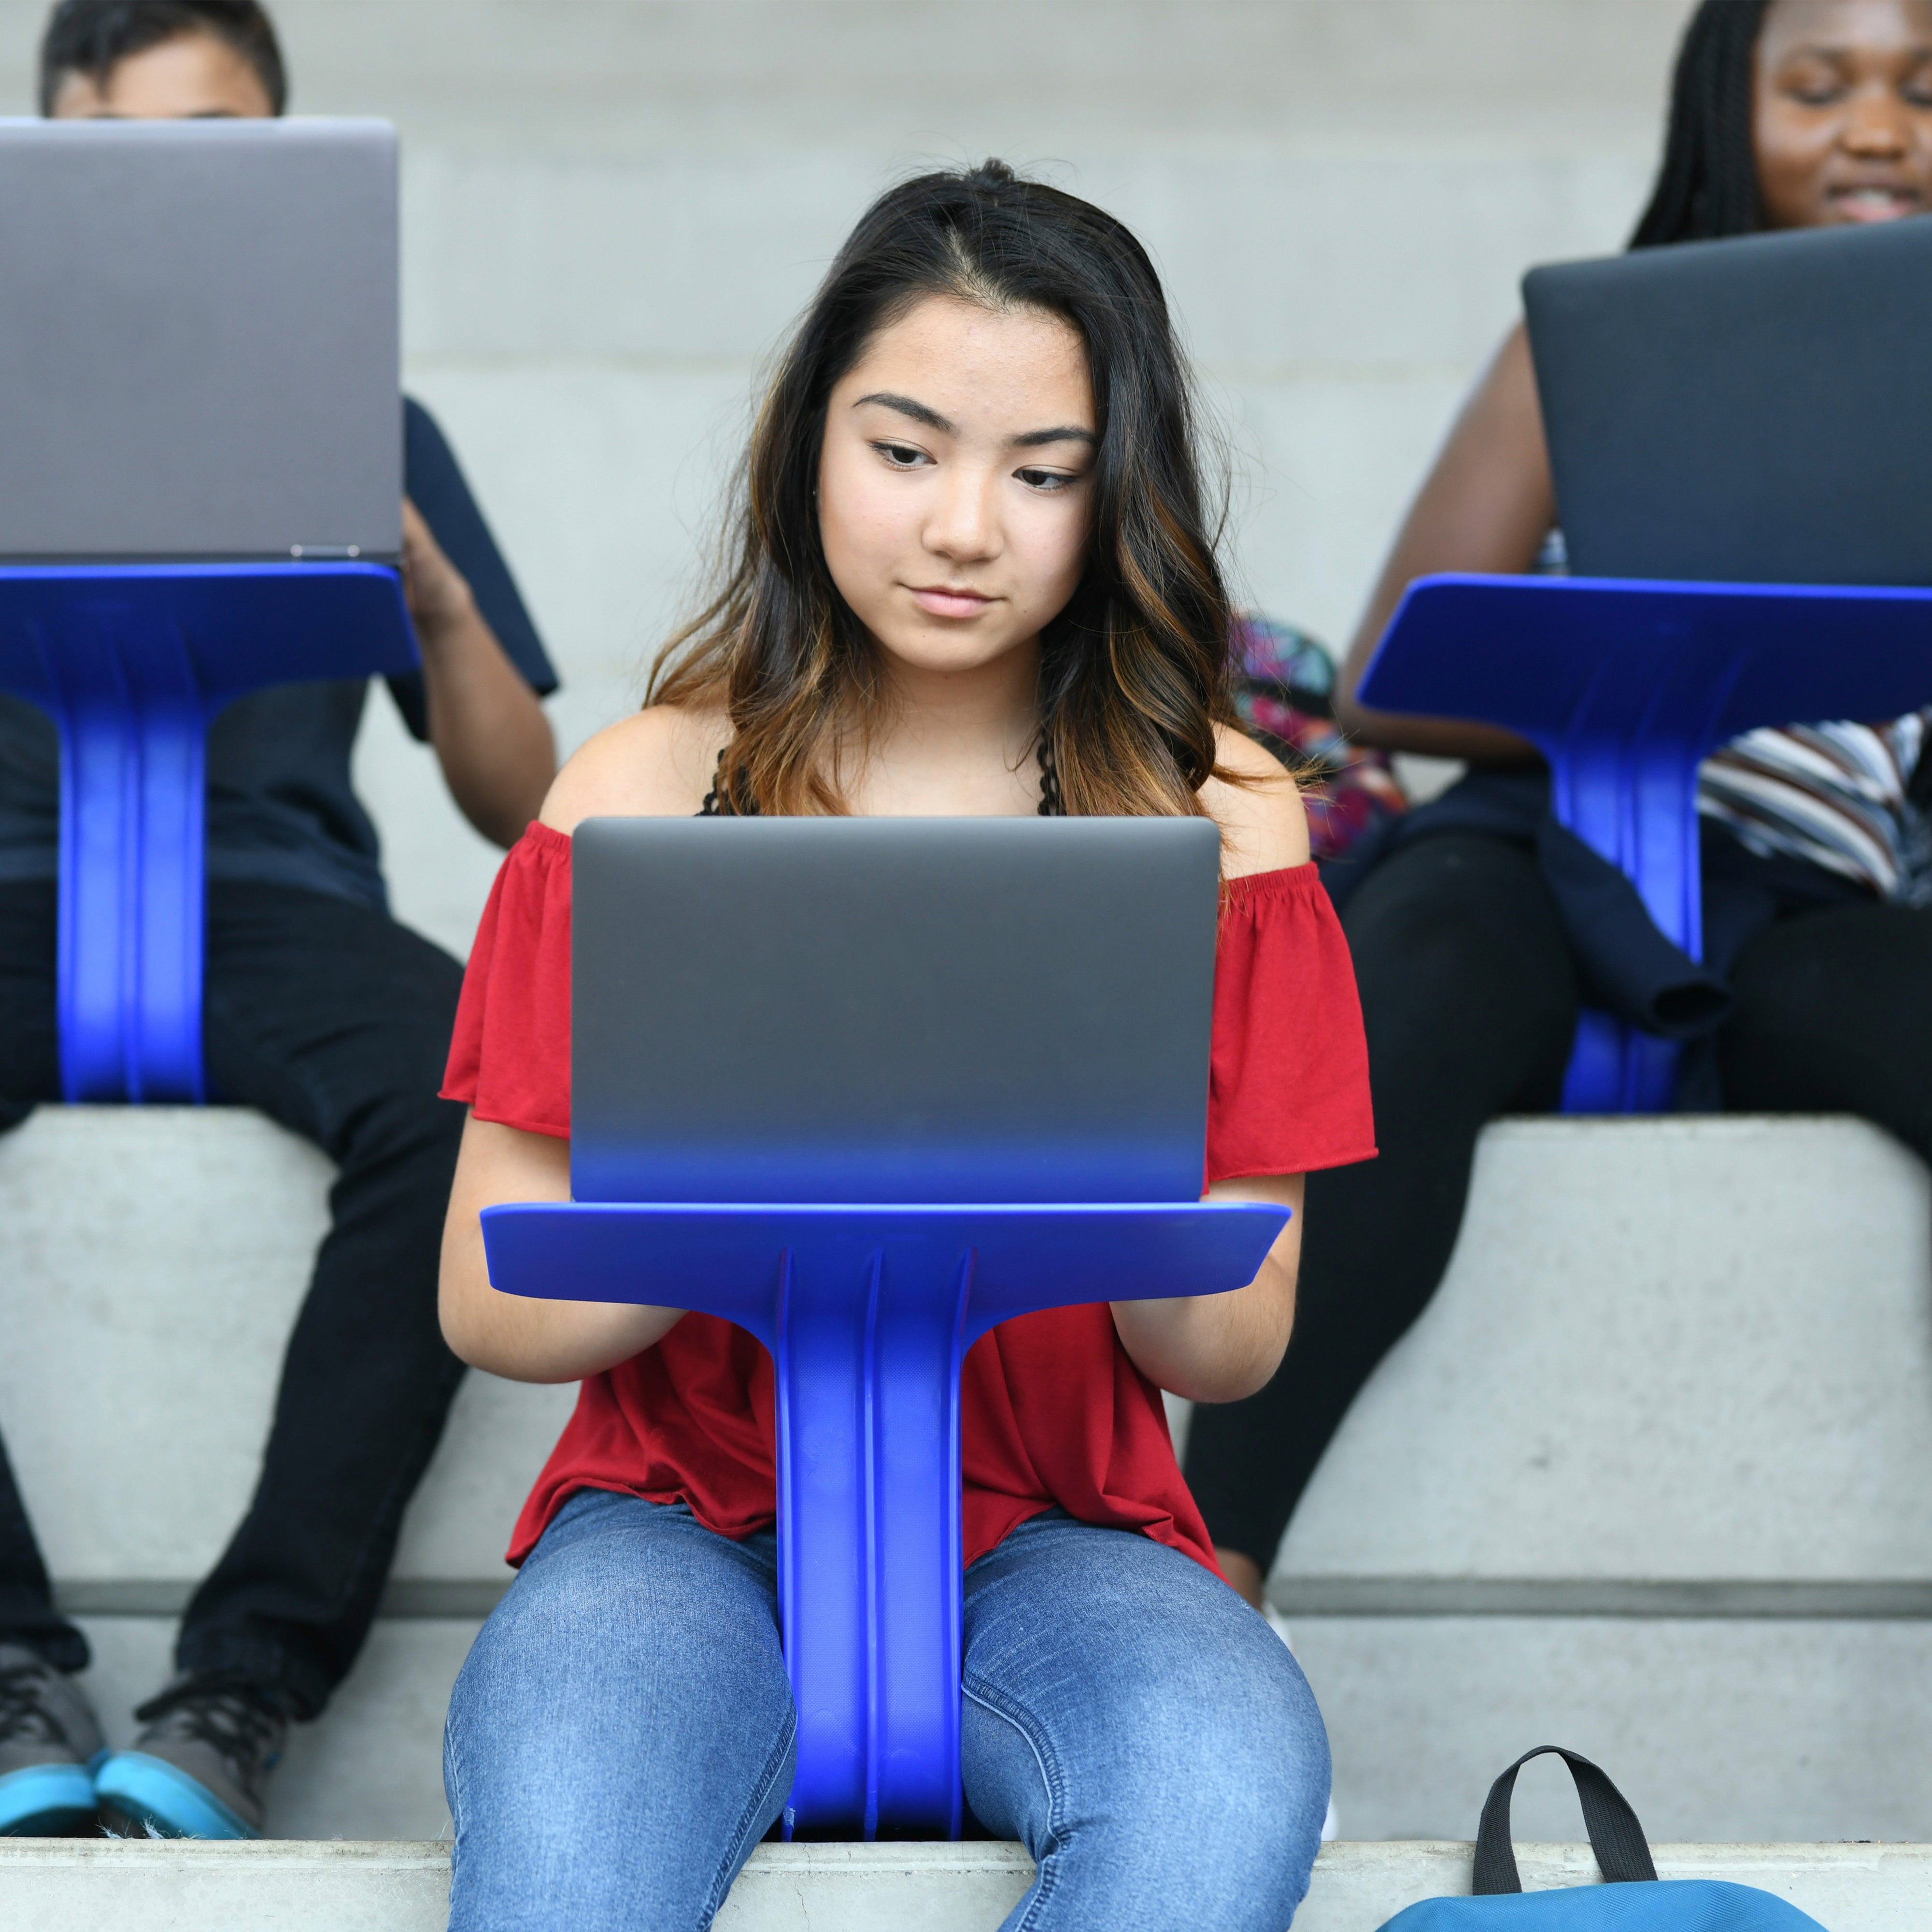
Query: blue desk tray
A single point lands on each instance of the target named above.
(132, 662)
(1625, 687)
(868, 1312)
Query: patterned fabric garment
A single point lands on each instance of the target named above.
(1833, 795)
(1285, 692)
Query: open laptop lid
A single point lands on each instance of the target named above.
(199, 340)
(891, 1009)
(1747, 411)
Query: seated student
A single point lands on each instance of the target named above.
(1795, 114)
(325, 1014)
(973, 576)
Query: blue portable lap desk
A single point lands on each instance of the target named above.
(869, 1087)
(1752, 408)
(199, 371)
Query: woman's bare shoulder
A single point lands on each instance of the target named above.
(1263, 826)
(657, 763)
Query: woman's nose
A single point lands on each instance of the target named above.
(1878, 126)
(963, 525)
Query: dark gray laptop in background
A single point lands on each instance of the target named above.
(1750, 411)
(892, 1010)
(199, 340)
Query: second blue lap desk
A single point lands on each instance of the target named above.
(868, 1305)
(133, 662)
(1626, 686)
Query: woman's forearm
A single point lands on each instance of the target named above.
(1486, 506)
(511, 1335)
(1219, 1348)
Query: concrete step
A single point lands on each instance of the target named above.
(152, 1261)
(62, 1885)
(1647, 1479)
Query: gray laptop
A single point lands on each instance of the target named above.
(1748, 411)
(199, 340)
(892, 1010)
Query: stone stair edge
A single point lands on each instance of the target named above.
(939, 1857)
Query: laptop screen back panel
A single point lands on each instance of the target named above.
(1747, 411)
(892, 1010)
(199, 348)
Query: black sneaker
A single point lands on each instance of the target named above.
(200, 1769)
(50, 1744)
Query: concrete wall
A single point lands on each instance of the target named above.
(612, 207)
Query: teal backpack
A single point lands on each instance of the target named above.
(1633, 1899)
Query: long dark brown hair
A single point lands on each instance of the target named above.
(1707, 186)
(1134, 673)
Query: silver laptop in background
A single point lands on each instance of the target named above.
(199, 344)
(892, 1010)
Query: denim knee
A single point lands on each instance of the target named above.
(1143, 1732)
(622, 1734)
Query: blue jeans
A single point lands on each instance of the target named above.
(621, 1735)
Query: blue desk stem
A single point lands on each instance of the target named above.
(133, 662)
(869, 1311)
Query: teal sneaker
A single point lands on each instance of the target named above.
(50, 1743)
(199, 1770)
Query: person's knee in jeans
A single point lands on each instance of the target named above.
(1141, 1731)
(621, 1735)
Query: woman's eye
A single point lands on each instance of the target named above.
(1816, 85)
(900, 455)
(1045, 479)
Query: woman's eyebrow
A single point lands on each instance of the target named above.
(907, 407)
(1036, 439)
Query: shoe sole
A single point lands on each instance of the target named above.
(45, 1801)
(151, 1794)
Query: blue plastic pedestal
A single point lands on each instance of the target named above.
(1625, 687)
(868, 1312)
(132, 662)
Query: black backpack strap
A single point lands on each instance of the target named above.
(1616, 1836)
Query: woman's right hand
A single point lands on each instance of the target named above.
(510, 1335)
(1487, 505)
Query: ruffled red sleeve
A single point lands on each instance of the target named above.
(1288, 1082)
(509, 1058)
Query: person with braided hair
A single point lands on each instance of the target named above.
(1784, 114)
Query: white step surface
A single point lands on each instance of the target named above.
(56, 1885)
(152, 1261)
(1647, 1480)
(1677, 1348)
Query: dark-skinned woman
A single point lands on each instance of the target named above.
(1785, 114)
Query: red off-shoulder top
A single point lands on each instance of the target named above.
(1052, 1410)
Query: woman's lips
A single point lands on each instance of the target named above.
(939, 602)
(1874, 203)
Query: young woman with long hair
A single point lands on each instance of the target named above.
(972, 571)
(1784, 114)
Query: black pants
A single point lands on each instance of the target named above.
(334, 1020)
(1469, 996)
